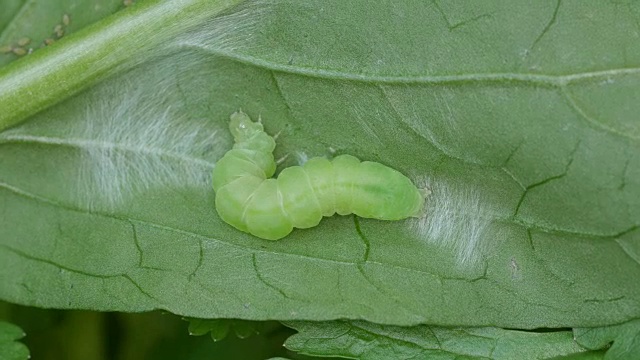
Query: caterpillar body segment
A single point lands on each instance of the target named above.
(251, 201)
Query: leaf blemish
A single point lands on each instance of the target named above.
(514, 268)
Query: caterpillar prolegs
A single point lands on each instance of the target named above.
(251, 201)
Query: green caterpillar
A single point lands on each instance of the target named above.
(251, 201)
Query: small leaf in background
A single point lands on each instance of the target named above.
(589, 355)
(10, 347)
(220, 328)
(623, 339)
(366, 341)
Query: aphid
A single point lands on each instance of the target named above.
(19, 51)
(48, 41)
(251, 201)
(66, 19)
(127, 2)
(59, 31)
(24, 41)
(6, 49)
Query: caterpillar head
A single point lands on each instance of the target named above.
(242, 128)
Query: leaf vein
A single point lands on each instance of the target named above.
(86, 145)
(515, 78)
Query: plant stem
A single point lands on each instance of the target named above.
(61, 70)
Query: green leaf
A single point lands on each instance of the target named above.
(362, 340)
(625, 338)
(520, 117)
(10, 348)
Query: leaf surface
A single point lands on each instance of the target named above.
(10, 348)
(520, 119)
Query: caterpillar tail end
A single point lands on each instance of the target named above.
(422, 212)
